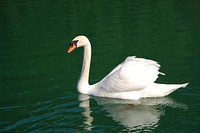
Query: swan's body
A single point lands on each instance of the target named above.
(132, 79)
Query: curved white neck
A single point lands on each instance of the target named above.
(83, 84)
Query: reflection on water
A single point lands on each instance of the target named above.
(85, 103)
(134, 115)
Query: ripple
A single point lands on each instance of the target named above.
(9, 107)
(30, 119)
(60, 111)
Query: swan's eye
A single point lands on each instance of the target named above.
(73, 43)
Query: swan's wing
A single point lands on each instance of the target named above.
(118, 67)
(131, 75)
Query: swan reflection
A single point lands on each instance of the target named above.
(134, 115)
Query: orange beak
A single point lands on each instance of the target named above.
(71, 48)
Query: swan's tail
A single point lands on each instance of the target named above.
(161, 90)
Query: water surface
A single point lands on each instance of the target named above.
(38, 79)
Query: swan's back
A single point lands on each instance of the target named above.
(133, 74)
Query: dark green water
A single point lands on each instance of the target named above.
(38, 79)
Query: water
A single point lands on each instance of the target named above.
(38, 79)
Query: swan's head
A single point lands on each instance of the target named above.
(79, 41)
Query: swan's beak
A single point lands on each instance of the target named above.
(71, 48)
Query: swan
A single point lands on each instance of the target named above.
(133, 79)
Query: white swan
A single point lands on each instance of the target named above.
(132, 79)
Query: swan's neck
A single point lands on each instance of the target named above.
(83, 84)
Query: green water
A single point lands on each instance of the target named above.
(38, 79)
